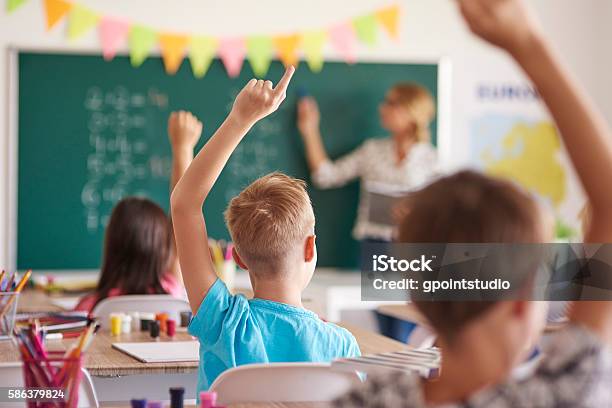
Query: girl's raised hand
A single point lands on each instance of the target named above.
(184, 130)
(259, 99)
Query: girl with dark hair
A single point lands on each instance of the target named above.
(139, 256)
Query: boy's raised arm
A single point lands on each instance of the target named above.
(509, 25)
(257, 100)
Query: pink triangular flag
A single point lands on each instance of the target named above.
(342, 37)
(112, 33)
(232, 52)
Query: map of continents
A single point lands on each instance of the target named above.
(525, 151)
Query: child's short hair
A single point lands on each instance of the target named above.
(269, 218)
(468, 207)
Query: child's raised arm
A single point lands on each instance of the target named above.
(509, 25)
(256, 100)
(184, 131)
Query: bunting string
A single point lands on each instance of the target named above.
(258, 49)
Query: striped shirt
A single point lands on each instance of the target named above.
(575, 371)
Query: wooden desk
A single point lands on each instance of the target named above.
(34, 300)
(104, 361)
(370, 342)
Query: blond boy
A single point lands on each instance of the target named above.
(272, 226)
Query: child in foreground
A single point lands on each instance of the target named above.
(482, 341)
(139, 256)
(271, 223)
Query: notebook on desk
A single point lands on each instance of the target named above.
(426, 362)
(161, 352)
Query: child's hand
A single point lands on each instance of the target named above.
(184, 130)
(258, 99)
(505, 23)
(308, 116)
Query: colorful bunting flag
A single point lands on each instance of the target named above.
(286, 48)
(342, 37)
(366, 29)
(55, 10)
(312, 44)
(81, 20)
(173, 50)
(389, 19)
(259, 53)
(232, 52)
(141, 39)
(258, 49)
(201, 54)
(113, 32)
(12, 5)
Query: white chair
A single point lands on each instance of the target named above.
(11, 375)
(282, 382)
(139, 303)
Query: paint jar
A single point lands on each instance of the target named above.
(115, 323)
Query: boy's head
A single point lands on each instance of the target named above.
(468, 207)
(272, 225)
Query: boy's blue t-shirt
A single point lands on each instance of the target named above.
(233, 331)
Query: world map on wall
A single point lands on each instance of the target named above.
(526, 151)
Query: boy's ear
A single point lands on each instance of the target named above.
(519, 308)
(309, 248)
(238, 260)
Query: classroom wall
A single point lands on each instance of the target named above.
(431, 28)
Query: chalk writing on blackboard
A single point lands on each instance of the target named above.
(120, 158)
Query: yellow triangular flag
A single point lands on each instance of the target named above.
(388, 17)
(286, 48)
(80, 21)
(312, 44)
(201, 52)
(55, 10)
(173, 50)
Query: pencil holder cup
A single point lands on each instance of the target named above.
(55, 380)
(8, 310)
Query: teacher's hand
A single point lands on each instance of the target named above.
(308, 117)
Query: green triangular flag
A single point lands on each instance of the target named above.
(80, 21)
(259, 53)
(12, 5)
(201, 54)
(141, 40)
(366, 29)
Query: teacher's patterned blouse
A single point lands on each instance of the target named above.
(374, 162)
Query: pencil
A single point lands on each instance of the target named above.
(18, 289)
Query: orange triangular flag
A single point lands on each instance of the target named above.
(173, 50)
(388, 17)
(286, 47)
(55, 10)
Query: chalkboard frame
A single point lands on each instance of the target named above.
(443, 122)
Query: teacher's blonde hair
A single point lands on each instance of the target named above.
(419, 102)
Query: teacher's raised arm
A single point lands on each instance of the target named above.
(403, 161)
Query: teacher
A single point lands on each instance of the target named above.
(405, 160)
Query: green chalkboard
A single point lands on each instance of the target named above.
(91, 132)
